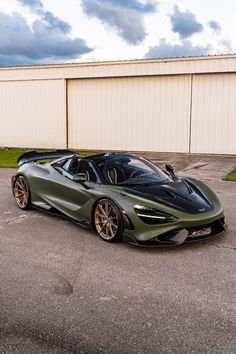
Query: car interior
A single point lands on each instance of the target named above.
(82, 166)
(118, 170)
(115, 171)
(73, 166)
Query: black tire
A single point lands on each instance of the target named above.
(21, 193)
(108, 221)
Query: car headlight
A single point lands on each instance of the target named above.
(153, 216)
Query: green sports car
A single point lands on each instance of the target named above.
(120, 196)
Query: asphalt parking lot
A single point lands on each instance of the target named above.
(63, 290)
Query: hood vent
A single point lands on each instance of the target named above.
(181, 194)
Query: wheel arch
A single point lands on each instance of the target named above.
(127, 223)
(94, 207)
(16, 176)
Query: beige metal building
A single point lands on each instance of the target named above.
(169, 105)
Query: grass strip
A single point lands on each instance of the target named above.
(231, 176)
(8, 157)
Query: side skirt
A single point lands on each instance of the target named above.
(54, 212)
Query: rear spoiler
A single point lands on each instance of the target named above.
(33, 156)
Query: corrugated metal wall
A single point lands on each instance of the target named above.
(214, 114)
(33, 114)
(148, 113)
(136, 105)
(184, 113)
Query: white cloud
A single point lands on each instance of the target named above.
(21, 44)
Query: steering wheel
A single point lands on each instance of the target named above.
(138, 174)
(134, 174)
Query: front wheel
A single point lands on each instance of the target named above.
(22, 192)
(108, 221)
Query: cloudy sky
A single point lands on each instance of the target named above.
(56, 31)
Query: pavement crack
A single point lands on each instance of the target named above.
(219, 246)
(60, 284)
(15, 220)
(195, 166)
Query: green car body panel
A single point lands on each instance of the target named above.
(77, 201)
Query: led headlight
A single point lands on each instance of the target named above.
(153, 216)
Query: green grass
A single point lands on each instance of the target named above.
(8, 157)
(231, 176)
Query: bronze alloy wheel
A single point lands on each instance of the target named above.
(107, 220)
(22, 193)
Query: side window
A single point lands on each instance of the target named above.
(59, 164)
(66, 165)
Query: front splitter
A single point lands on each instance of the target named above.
(175, 238)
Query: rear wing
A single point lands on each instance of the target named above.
(33, 156)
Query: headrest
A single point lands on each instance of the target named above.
(83, 165)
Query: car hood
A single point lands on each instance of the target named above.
(181, 194)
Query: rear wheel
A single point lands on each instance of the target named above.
(22, 192)
(108, 221)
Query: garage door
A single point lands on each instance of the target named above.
(147, 113)
(214, 114)
(33, 114)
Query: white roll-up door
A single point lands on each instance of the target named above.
(33, 114)
(139, 113)
(213, 128)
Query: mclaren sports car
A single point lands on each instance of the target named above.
(120, 196)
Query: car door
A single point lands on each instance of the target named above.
(71, 198)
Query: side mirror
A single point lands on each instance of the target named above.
(170, 170)
(80, 177)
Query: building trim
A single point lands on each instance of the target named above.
(126, 68)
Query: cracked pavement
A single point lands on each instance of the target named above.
(63, 290)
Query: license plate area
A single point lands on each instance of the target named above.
(200, 232)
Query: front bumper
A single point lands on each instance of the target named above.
(178, 237)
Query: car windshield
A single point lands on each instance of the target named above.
(122, 169)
